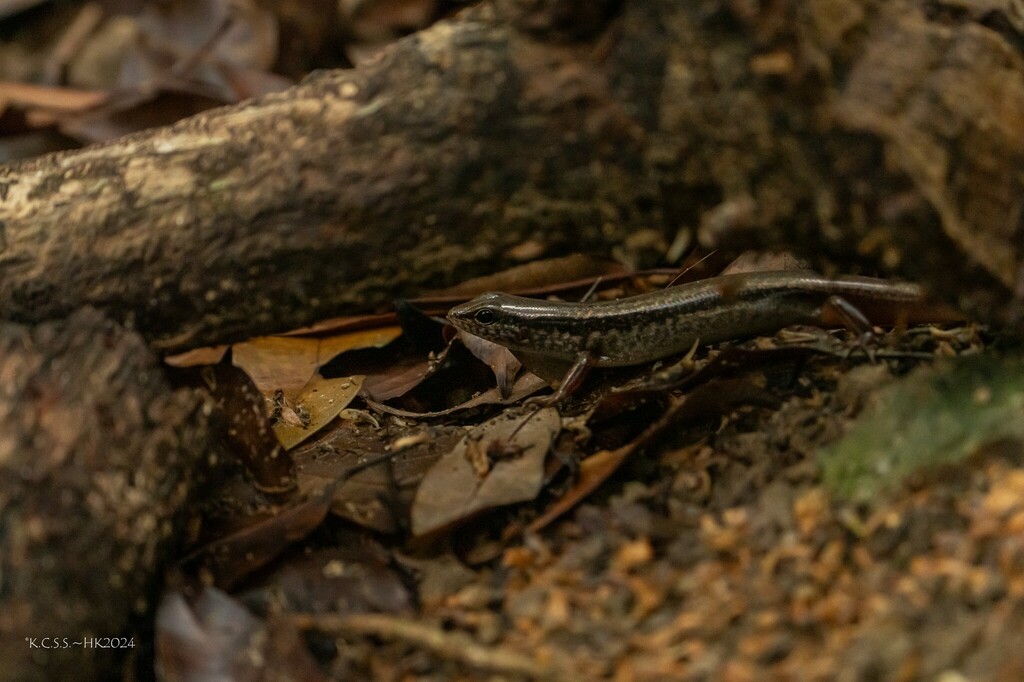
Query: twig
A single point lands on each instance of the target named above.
(686, 270)
(452, 645)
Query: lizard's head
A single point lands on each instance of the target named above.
(490, 316)
(523, 325)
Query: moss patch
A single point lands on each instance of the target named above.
(937, 415)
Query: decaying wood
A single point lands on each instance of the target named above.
(97, 460)
(886, 133)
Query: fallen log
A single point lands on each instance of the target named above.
(884, 136)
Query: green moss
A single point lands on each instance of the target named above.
(937, 415)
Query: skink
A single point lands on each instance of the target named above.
(659, 324)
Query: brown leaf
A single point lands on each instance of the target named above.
(127, 111)
(247, 430)
(761, 261)
(350, 323)
(539, 274)
(527, 384)
(594, 471)
(516, 447)
(322, 400)
(377, 497)
(500, 359)
(398, 380)
(53, 99)
(365, 498)
(209, 355)
(290, 363)
(232, 558)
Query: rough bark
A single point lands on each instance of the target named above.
(97, 459)
(888, 134)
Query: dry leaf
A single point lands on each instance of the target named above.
(452, 490)
(539, 274)
(54, 99)
(247, 430)
(527, 384)
(289, 363)
(397, 380)
(321, 400)
(371, 495)
(500, 359)
(232, 558)
(209, 355)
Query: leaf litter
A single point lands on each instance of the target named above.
(721, 550)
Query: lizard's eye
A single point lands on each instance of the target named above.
(485, 316)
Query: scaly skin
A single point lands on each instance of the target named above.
(659, 324)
